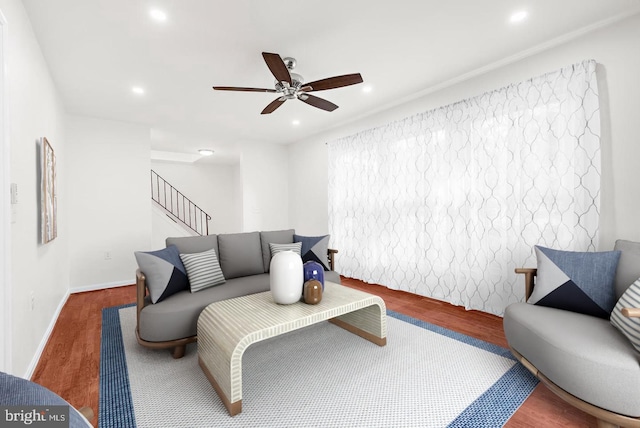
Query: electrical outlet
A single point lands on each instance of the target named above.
(107, 255)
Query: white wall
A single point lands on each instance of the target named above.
(35, 111)
(617, 51)
(265, 187)
(109, 202)
(210, 186)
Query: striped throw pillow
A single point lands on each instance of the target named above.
(276, 248)
(630, 327)
(203, 270)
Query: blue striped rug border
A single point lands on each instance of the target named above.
(115, 409)
(492, 409)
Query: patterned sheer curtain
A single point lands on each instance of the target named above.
(447, 203)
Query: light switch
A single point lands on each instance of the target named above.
(14, 193)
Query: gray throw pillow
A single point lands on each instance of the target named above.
(576, 281)
(630, 327)
(314, 248)
(165, 274)
(203, 270)
(275, 237)
(276, 248)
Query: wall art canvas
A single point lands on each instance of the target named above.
(48, 192)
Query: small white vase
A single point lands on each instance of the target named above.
(286, 277)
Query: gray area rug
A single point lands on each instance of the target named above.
(324, 376)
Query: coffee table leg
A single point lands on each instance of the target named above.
(369, 323)
(233, 408)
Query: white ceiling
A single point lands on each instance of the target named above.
(98, 49)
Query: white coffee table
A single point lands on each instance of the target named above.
(227, 328)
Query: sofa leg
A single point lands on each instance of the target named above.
(178, 351)
(605, 424)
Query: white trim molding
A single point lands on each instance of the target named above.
(45, 338)
(5, 210)
(103, 286)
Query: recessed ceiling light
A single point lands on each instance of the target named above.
(367, 89)
(518, 16)
(295, 122)
(158, 15)
(205, 152)
(137, 90)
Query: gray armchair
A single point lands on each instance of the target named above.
(583, 359)
(15, 391)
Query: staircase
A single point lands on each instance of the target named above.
(178, 207)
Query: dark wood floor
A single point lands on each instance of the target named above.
(70, 362)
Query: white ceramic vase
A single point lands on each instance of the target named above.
(286, 277)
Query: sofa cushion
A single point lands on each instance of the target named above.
(576, 281)
(314, 248)
(203, 270)
(630, 327)
(165, 274)
(584, 355)
(628, 266)
(177, 318)
(194, 244)
(275, 237)
(240, 254)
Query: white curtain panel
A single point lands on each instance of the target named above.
(447, 203)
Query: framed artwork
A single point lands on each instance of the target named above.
(48, 192)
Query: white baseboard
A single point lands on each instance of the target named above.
(103, 286)
(45, 338)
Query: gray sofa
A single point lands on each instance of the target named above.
(244, 259)
(583, 359)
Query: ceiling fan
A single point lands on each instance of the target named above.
(291, 85)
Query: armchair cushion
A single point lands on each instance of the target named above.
(576, 281)
(630, 327)
(584, 355)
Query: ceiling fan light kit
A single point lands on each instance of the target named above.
(290, 84)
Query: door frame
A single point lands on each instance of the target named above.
(5, 210)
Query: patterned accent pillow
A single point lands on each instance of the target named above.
(575, 281)
(276, 248)
(314, 248)
(630, 327)
(203, 270)
(164, 271)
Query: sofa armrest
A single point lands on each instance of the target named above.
(330, 253)
(529, 282)
(141, 292)
(631, 312)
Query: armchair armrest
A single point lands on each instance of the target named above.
(330, 253)
(529, 282)
(141, 292)
(631, 312)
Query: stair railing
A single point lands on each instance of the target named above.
(178, 205)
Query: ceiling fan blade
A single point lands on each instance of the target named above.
(232, 88)
(333, 82)
(273, 105)
(277, 67)
(317, 102)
